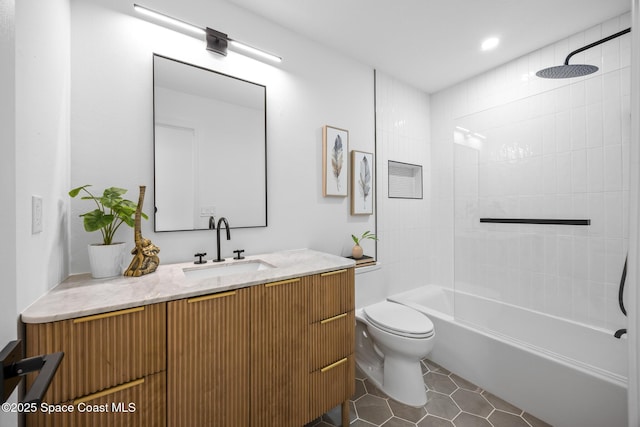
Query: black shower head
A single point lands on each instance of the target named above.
(576, 70)
(567, 71)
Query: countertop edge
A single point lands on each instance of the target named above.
(80, 295)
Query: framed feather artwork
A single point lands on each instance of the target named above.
(361, 183)
(335, 149)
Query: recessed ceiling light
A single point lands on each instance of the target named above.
(490, 43)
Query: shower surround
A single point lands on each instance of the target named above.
(509, 144)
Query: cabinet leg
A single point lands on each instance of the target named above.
(345, 413)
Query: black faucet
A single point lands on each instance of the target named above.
(212, 226)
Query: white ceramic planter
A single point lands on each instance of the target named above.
(107, 260)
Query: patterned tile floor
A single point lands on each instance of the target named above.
(452, 402)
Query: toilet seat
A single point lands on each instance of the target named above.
(399, 320)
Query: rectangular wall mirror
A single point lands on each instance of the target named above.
(209, 148)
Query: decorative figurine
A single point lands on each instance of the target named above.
(145, 254)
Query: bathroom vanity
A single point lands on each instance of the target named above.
(267, 347)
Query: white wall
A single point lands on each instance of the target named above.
(34, 76)
(576, 135)
(111, 121)
(42, 144)
(8, 309)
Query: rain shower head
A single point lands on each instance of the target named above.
(576, 70)
(567, 71)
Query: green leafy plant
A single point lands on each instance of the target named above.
(111, 211)
(365, 235)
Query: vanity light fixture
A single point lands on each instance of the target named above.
(254, 50)
(168, 20)
(217, 41)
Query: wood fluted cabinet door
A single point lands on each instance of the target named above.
(138, 403)
(100, 351)
(208, 360)
(279, 357)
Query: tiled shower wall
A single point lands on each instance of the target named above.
(402, 134)
(545, 149)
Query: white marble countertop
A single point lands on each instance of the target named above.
(80, 295)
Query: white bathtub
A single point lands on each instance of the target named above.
(565, 373)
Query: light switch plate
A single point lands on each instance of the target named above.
(36, 214)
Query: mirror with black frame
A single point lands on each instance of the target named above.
(209, 148)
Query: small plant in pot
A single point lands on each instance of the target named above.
(112, 210)
(356, 251)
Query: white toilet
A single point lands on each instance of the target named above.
(391, 339)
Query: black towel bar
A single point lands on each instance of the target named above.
(537, 221)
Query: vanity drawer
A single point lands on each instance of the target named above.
(138, 403)
(331, 339)
(101, 351)
(331, 385)
(330, 294)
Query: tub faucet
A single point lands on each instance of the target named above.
(212, 226)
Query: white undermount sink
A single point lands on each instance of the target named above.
(225, 269)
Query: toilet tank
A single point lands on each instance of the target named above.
(370, 285)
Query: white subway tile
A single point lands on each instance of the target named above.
(552, 305)
(612, 123)
(596, 259)
(595, 169)
(613, 168)
(578, 128)
(549, 174)
(596, 214)
(563, 162)
(565, 256)
(593, 86)
(611, 85)
(548, 134)
(562, 99)
(580, 261)
(579, 171)
(578, 95)
(580, 208)
(596, 304)
(611, 55)
(563, 205)
(580, 295)
(613, 260)
(594, 125)
(626, 119)
(613, 214)
(565, 297)
(563, 131)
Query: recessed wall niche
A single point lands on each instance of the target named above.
(405, 180)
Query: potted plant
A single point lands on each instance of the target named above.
(356, 251)
(107, 258)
